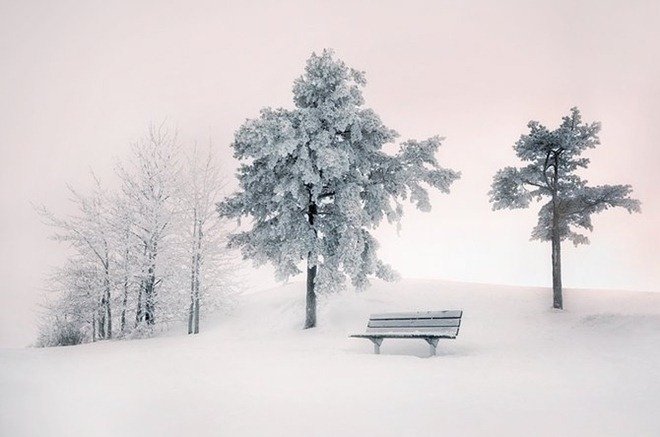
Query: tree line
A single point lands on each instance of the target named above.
(150, 253)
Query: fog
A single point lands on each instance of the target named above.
(80, 80)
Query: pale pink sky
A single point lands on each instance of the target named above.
(80, 80)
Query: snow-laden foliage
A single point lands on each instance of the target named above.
(553, 158)
(315, 179)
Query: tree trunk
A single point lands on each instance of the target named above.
(124, 303)
(138, 310)
(310, 312)
(108, 308)
(150, 289)
(557, 299)
(149, 301)
(196, 320)
(108, 315)
(198, 271)
(191, 311)
(310, 308)
(101, 319)
(195, 272)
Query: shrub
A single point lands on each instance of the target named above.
(61, 333)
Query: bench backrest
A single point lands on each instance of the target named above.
(446, 323)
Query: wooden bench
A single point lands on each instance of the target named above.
(426, 325)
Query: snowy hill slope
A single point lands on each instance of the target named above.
(517, 368)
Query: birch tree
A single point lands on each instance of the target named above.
(553, 157)
(211, 265)
(152, 252)
(149, 181)
(127, 254)
(89, 232)
(314, 181)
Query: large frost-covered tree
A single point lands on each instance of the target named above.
(315, 181)
(553, 158)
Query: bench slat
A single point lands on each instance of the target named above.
(452, 314)
(403, 323)
(448, 331)
(402, 335)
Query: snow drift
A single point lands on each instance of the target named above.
(516, 368)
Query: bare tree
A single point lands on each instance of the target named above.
(203, 234)
(126, 257)
(154, 251)
(89, 233)
(148, 184)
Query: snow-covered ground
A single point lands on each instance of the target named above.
(517, 368)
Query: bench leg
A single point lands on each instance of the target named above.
(433, 342)
(376, 342)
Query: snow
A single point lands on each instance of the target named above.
(516, 368)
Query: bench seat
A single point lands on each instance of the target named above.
(426, 325)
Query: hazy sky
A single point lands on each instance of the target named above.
(80, 80)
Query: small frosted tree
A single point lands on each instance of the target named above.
(74, 314)
(315, 181)
(210, 268)
(553, 157)
(149, 181)
(128, 253)
(89, 233)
